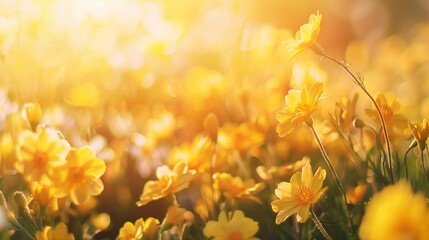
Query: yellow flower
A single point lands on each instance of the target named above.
(162, 125)
(79, 178)
(420, 132)
(234, 187)
(393, 119)
(297, 196)
(39, 153)
(275, 172)
(243, 137)
(300, 106)
(306, 36)
(396, 213)
(44, 196)
(175, 215)
(169, 181)
(33, 113)
(198, 154)
(345, 113)
(60, 232)
(234, 226)
(141, 229)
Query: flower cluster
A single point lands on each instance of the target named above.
(140, 120)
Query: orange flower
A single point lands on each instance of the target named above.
(357, 194)
(39, 153)
(300, 106)
(299, 194)
(79, 178)
(169, 181)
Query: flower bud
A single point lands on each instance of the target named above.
(211, 125)
(20, 199)
(3, 202)
(101, 221)
(358, 123)
(33, 113)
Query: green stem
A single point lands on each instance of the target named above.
(332, 169)
(412, 145)
(423, 165)
(319, 225)
(319, 50)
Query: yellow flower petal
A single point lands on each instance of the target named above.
(79, 194)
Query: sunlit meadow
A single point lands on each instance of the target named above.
(226, 120)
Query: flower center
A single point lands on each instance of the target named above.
(236, 235)
(303, 196)
(76, 174)
(305, 107)
(40, 159)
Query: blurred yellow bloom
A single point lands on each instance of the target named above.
(59, 232)
(235, 188)
(345, 112)
(88, 206)
(175, 216)
(44, 196)
(169, 181)
(161, 126)
(306, 36)
(232, 226)
(39, 153)
(396, 213)
(420, 132)
(198, 154)
(393, 119)
(299, 194)
(300, 105)
(83, 95)
(275, 172)
(100, 221)
(140, 230)
(33, 114)
(243, 137)
(79, 178)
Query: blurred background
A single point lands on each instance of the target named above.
(136, 78)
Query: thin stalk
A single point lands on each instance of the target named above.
(332, 169)
(319, 50)
(412, 145)
(347, 142)
(423, 165)
(182, 232)
(319, 225)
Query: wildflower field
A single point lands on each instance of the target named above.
(225, 120)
